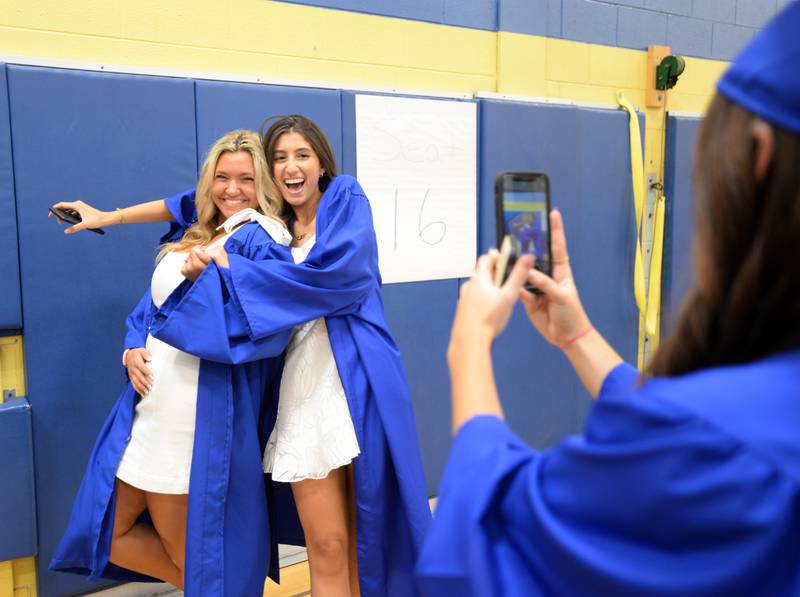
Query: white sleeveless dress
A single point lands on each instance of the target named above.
(314, 432)
(158, 457)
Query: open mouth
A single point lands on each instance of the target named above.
(295, 185)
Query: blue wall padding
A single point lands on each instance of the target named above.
(17, 498)
(112, 140)
(222, 107)
(10, 299)
(679, 226)
(586, 154)
(420, 315)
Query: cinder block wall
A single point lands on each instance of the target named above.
(572, 49)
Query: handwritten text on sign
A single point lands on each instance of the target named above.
(416, 159)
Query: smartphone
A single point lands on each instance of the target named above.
(522, 201)
(71, 217)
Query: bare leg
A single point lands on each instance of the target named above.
(137, 546)
(169, 512)
(351, 534)
(323, 511)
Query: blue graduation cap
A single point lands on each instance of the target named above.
(764, 77)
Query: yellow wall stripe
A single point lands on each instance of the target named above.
(283, 40)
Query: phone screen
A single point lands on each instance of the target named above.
(524, 198)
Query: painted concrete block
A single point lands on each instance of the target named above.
(589, 21)
(638, 29)
(754, 13)
(533, 17)
(420, 10)
(521, 64)
(700, 77)
(625, 2)
(686, 35)
(555, 17)
(478, 14)
(523, 16)
(567, 61)
(728, 40)
(674, 7)
(719, 11)
(616, 67)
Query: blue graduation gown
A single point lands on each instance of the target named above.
(339, 280)
(227, 547)
(679, 486)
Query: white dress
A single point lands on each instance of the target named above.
(158, 457)
(314, 432)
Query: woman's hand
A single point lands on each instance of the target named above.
(220, 257)
(141, 377)
(483, 308)
(90, 217)
(195, 263)
(558, 313)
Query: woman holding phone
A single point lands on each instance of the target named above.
(686, 480)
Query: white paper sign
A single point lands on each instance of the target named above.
(417, 162)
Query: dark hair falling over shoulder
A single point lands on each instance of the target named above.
(745, 301)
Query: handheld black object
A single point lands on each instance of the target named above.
(522, 202)
(72, 218)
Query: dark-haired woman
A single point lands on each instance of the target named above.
(344, 437)
(686, 481)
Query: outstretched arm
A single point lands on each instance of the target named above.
(151, 211)
(178, 209)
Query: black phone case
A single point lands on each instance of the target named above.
(72, 218)
(500, 219)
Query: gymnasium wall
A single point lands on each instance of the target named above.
(116, 102)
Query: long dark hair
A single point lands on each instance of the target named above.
(745, 302)
(297, 123)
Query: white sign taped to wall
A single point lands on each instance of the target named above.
(417, 162)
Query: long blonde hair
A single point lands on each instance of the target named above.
(270, 201)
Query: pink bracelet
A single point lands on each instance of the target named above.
(574, 339)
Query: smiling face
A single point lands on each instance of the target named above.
(297, 170)
(234, 186)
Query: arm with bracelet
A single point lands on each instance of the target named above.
(91, 218)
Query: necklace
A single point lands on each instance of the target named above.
(300, 237)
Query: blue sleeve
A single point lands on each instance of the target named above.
(339, 272)
(620, 380)
(136, 334)
(183, 211)
(649, 500)
(206, 319)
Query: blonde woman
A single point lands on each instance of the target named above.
(174, 488)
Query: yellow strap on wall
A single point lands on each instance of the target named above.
(654, 289)
(637, 176)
